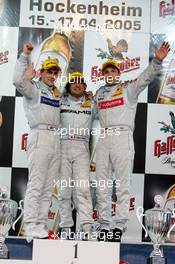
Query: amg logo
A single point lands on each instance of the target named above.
(75, 112)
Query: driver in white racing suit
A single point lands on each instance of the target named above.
(116, 105)
(42, 109)
(76, 117)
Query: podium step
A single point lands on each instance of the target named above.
(20, 249)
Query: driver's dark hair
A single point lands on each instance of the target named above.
(67, 87)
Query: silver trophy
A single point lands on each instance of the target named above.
(158, 225)
(8, 211)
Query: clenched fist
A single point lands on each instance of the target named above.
(27, 48)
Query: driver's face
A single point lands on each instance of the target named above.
(111, 75)
(49, 76)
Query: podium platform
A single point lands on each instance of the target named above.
(20, 249)
(138, 253)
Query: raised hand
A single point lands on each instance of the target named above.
(162, 52)
(30, 72)
(27, 48)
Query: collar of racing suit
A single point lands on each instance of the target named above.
(75, 99)
(109, 87)
(49, 90)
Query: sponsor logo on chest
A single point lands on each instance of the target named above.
(111, 103)
(48, 101)
(86, 104)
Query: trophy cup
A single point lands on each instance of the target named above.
(8, 211)
(158, 225)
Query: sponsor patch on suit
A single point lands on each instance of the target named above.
(51, 102)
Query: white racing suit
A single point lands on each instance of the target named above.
(42, 110)
(116, 106)
(76, 117)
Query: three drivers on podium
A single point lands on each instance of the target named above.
(114, 104)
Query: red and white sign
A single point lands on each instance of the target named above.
(160, 147)
(21, 130)
(111, 103)
(8, 56)
(133, 60)
(163, 13)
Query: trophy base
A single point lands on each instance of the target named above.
(156, 260)
(4, 253)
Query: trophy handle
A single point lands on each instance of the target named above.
(173, 216)
(140, 216)
(20, 208)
